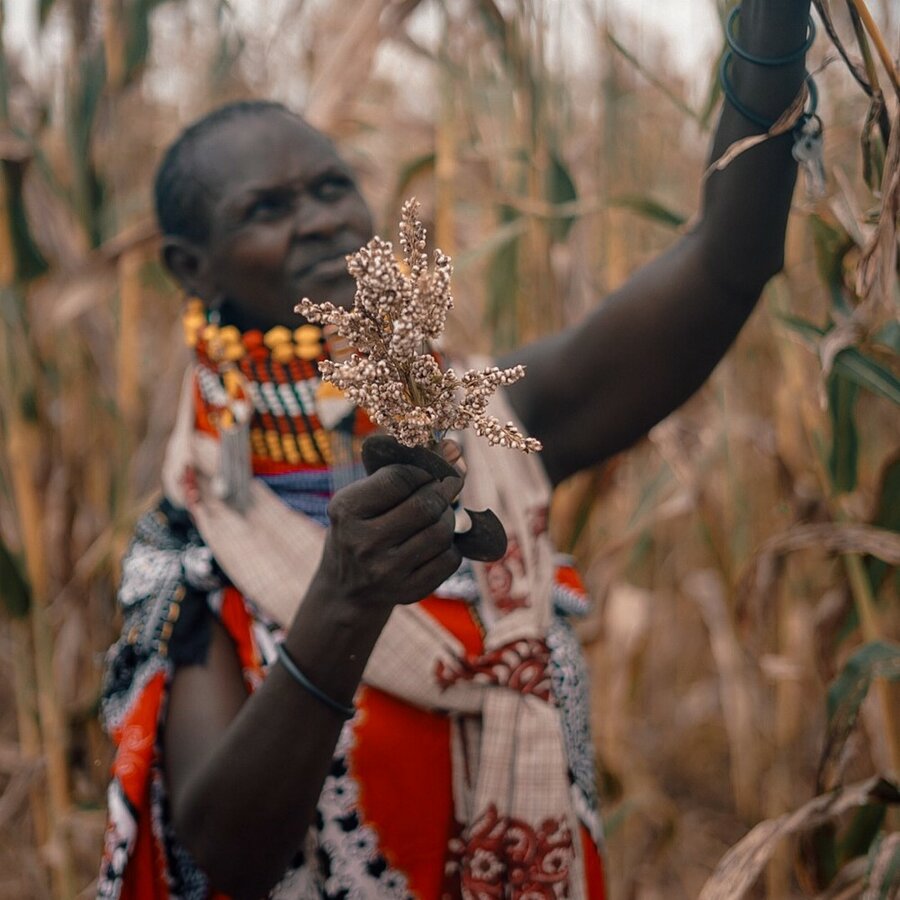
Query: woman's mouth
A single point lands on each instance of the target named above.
(326, 269)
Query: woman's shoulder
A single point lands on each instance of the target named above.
(167, 576)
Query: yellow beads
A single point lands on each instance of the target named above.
(308, 340)
(278, 340)
(304, 343)
(193, 320)
(230, 340)
(226, 344)
(291, 448)
(274, 446)
(223, 344)
(257, 442)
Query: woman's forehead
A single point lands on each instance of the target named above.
(260, 150)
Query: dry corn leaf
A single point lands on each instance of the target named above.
(351, 58)
(846, 333)
(878, 264)
(738, 870)
(847, 884)
(738, 686)
(830, 537)
(16, 792)
(13, 148)
(854, 64)
(785, 123)
(846, 208)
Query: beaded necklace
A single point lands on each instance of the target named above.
(296, 421)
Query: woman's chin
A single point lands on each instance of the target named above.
(339, 291)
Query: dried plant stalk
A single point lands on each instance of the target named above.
(394, 376)
(878, 39)
(23, 442)
(114, 42)
(446, 168)
(29, 733)
(127, 356)
(872, 631)
(7, 250)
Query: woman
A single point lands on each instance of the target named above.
(253, 754)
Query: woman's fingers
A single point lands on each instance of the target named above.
(426, 543)
(429, 576)
(373, 496)
(391, 536)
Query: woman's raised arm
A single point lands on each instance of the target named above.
(600, 385)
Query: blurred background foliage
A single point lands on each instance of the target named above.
(744, 557)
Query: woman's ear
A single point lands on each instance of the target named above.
(188, 265)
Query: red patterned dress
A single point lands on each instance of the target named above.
(385, 825)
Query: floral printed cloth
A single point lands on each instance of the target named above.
(385, 826)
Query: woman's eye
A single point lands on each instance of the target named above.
(268, 206)
(333, 188)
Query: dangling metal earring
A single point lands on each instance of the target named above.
(214, 315)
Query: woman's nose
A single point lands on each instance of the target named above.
(316, 218)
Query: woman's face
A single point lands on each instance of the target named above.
(285, 211)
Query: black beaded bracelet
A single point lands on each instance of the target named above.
(346, 711)
(747, 113)
(773, 61)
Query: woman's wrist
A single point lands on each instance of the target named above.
(334, 606)
(332, 637)
(769, 28)
(773, 27)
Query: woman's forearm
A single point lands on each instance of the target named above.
(244, 811)
(746, 205)
(245, 773)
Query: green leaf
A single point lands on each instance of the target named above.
(846, 693)
(231, 46)
(501, 237)
(844, 455)
(850, 362)
(45, 7)
(886, 516)
(137, 35)
(868, 374)
(862, 830)
(872, 144)
(560, 189)
(889, 336)
(883, 875)
(879, 659)
(817, 855)
(650, 209)
(503, 284)
(85, 95)
(803, 327)
(504, 35)
(410, 171)
(30, 263)
(617, 818)
(14, 591)
(831, 244)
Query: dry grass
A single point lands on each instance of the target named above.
(740, 556)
